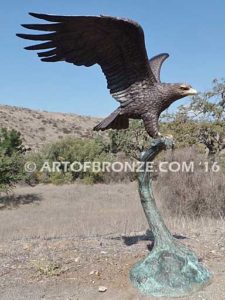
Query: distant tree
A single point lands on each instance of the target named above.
(208, 110)
(131, 141)
(10, 141)
(183, 128)
(11, 159)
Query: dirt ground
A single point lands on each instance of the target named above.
(64, 242)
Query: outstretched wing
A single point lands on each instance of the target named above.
(156, 63)
(117, 45)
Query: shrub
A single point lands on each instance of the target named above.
(71, 150)
(11, 159)
(194, 194)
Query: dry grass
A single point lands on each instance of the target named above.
(195, 194)
(50, 247)
(46, 268)
(73, 210)
(80, 210)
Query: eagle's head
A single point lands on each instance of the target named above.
(182, 90)
(175, 91)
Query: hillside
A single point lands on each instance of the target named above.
(41, 127)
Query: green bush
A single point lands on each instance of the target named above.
(70, 150)
(11, 159)
(61, 178)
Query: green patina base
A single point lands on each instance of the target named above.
(170, 272)
(171, 269)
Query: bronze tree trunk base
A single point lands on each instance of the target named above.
(171, 269)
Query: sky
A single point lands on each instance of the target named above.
(192, 32)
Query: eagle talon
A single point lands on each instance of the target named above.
(161, 136)
(166, 140)
(169, 136)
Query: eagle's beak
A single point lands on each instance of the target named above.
(191, 92)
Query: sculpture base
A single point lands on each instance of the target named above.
(173, 271)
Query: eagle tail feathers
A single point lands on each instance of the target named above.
(114, 121)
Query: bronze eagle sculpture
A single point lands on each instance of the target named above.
(118, 46)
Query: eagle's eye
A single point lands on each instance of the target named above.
(184, 87)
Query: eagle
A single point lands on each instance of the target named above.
(118, 46)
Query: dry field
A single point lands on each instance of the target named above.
(64, 242)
